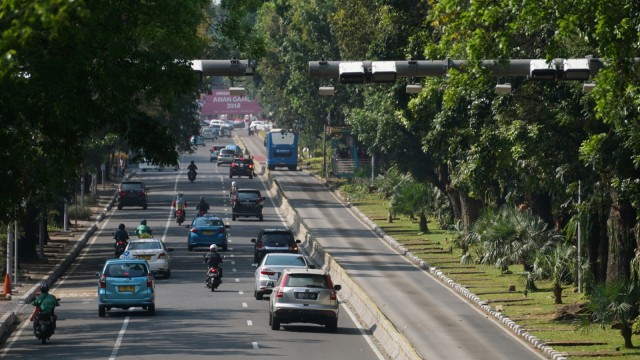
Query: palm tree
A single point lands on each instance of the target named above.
(389, 185)
(615, 303)
(509, 236)
(557, 263)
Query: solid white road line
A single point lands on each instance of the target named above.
(116, 347)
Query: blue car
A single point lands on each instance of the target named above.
(207, 230)
(125, 283)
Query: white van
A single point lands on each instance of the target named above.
(216, 122)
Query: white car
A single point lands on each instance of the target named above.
(154, 252)
(268, 272)
(145, 165)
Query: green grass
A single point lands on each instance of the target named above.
(534, 310)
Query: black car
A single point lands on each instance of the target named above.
(278, 240)
(247, 202)
(132, 193)
(241, 167)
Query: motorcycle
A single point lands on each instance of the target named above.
(120, 246)
(213, 278)
(192, 175)
(180, 216)
(44, 325)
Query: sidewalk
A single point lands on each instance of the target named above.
(60, 251)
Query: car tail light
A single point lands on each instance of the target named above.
(194, 230)
(222, 230)
(150, 280)
(250, 166)
(294, 247)
(279, 294)
(103, 281)
(122, 193)
(259, 245)
(267, 272)
(332, 295)
(162, 256)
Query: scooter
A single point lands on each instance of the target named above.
(213, 278)
(192, 175)
(180, 216)
(44, 325)
(120, 246)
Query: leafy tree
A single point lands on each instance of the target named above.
(390, 186)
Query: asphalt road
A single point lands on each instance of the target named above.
(190, 322)
(438, 322)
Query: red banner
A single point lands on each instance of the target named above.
(221, 102)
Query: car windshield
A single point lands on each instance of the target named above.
(244, 195)
(207, 222)
(126, 270)
(144, 245)
(306, 280)
(131, 186)
(276, 238)
(285, 260)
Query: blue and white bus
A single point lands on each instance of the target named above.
(282, 149)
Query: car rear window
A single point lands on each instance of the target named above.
(125, 270)
(306, 280)
(131, 186)
(207, 222)
(227, 152)
(276, 238)
(144, 245)
(285, 260)
(246, 195)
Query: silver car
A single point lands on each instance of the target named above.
(225, 156)
(304, 296)
(268, 272)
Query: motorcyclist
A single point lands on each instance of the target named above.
(213, 259)
(45, 303)
(179, 203)
(143, 228)
(203, 206)
(121, 235)
(192, 166)
(233, 189)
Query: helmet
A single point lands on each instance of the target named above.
(213, 247)
(121, 226)
(192, 162)
(233, 183)
(143, 222)
(44, 287)
(201, 197)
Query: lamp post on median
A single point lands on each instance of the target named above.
(325, 91)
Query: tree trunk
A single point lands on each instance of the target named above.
(541, 206)
(389, 217)
(470, 209)
(30, 226)
(424, 228)
(621, 239)
(626, 332)
(557, 293)
(597, 249)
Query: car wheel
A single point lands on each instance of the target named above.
(144, 207)
(260, 217)
(151, 309)
(101, 311)
(332, 325)
(275, 323)
(258, 295)
(119, 207)
(233, 217)
(167, 274)
(250, 176)
(189, 247)
(230, 176)
(218, 164)
(225, 248)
